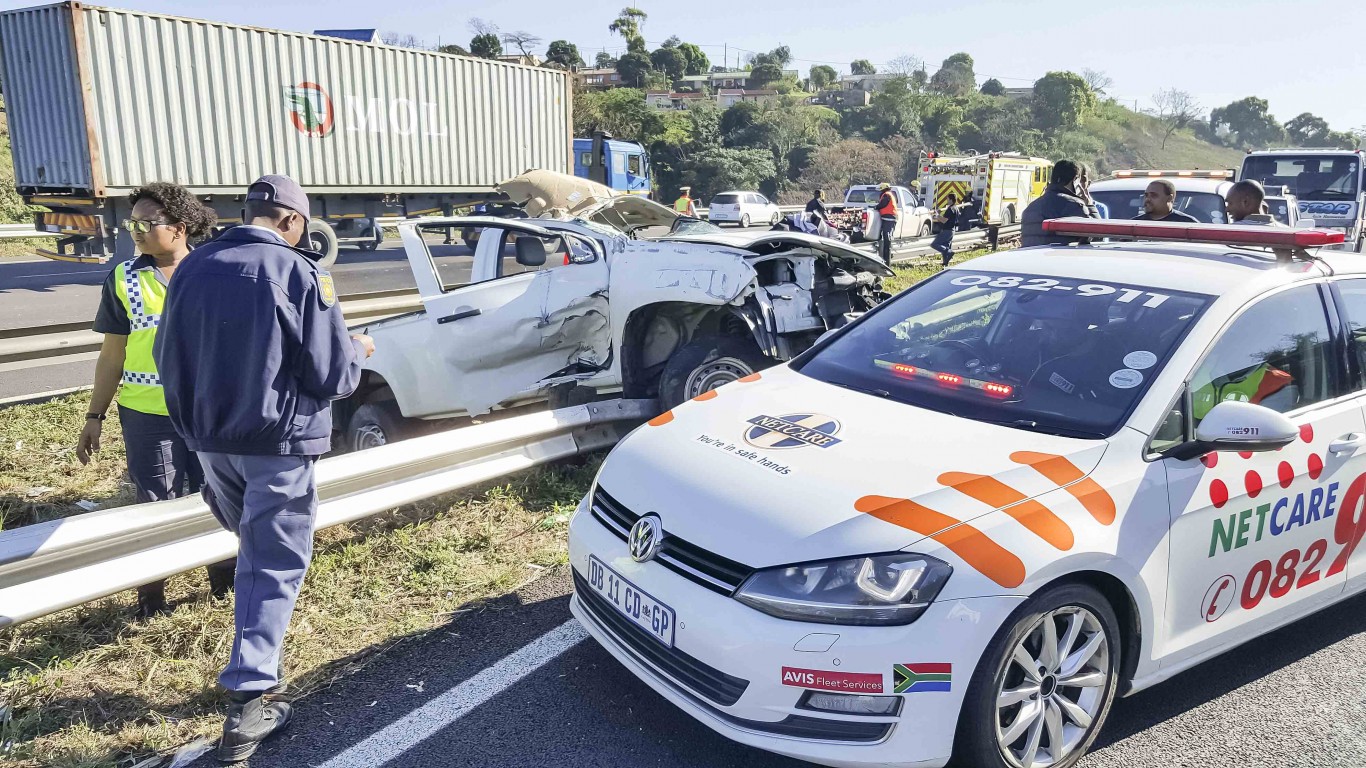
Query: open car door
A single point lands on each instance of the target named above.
(534, 314)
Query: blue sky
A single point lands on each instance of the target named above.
(1301, 56)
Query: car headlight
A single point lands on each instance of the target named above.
(875, 590)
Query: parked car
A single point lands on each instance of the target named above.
(584, 304)
(962, 526)
(1203, 197)
(743, 208)
(858, 215)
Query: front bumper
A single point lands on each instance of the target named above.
(726, 668)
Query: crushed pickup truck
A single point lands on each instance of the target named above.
(597, 294)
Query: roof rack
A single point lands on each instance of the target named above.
(1287, 243)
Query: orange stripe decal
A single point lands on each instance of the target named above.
(1064, 473)
(1039, 519)
(661, 419)
(753, 377)
(705, 396)
(973, 546)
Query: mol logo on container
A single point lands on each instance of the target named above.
(310, 109)
(313, 114)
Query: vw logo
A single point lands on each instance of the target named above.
(645, 538)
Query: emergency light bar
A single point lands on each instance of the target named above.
(1224, 174)
(1224, 234)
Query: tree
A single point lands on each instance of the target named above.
(779, 57)
(993, 87)
(764, 74)
(895, 108)
(737, 124)
(697, 61)
(401, 40)
(604, 60)
(627, 24)
(862, 67)
(905, 65)
(455, 49)
(564, 54)
(1248, 123)
(823, 76)
(1308, 130)
(523, 41)
(849, 162)
(480, 26)
(716, 170)
(486, 46)
(1176, 109)
(1098, 82)
(669, 60)
(955, 76)
(1061, 101)
(634, 68)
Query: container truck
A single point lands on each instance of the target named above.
(101, 101)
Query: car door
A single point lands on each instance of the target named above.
(1350, 524)
(518, 325)
(1252, 541)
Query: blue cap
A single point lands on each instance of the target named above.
(280, 190)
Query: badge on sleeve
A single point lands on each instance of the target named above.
(326, 290)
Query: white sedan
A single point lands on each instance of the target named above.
(964, 524)
(743, 208)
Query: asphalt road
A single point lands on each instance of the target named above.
(1293, 698)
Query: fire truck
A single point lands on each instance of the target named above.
(1002, 183)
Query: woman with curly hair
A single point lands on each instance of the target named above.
(165, 219)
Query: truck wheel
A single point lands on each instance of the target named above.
(375, 424)
(706, 363)
(1031, 700)
(322, 240)
(744, 221)
(373, 243)
(1010, 216)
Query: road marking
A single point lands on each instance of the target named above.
(418, 725)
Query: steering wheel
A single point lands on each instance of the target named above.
(962, 345)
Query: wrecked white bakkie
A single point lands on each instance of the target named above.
(568, 309)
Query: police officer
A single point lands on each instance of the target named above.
(252, 351)
(685, 205)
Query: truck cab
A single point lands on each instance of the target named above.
(1330, 185)
(623, 166)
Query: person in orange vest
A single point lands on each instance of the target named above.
(886, 208)
(685, 205)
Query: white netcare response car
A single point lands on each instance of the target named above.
(961, 525)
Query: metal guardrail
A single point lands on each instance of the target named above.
(50, 566)
(8, 231)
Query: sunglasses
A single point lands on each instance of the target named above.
(143, 227)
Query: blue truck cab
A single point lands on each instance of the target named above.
(622, 165)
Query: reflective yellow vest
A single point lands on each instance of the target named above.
(682, 204)
(143, 296)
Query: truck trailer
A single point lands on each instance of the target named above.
(101, 101)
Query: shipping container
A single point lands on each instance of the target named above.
(101, 101)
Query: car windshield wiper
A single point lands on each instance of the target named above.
(1334, 194)
(882, 393)
(1047, 429)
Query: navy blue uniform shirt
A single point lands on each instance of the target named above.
(252, 348)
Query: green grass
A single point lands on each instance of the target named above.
(92, 688)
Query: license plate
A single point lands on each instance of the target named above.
(630, 601)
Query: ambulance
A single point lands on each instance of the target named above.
(962, 525)
(1002, 183)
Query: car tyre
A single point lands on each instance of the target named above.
(925, 230)
(377, 237)
(744, 221)
(375, 424)
(775, 218)
(1040, 706)
(708, 362)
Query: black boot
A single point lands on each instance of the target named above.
(221, 578)
(251, 719)
(152, 600)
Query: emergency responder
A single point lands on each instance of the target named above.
(815, 208)
(685, 205)
(1246, 204)
(1159, 204)
(1065, 196)
(252, 351)
(886, 208)
(165, 219)
(947, 220)
(967, 212)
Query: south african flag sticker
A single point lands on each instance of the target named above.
(922, 678)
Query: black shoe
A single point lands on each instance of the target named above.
(221, 578)
(152, 600)
(249, 722)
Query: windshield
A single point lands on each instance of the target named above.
(1279, 208)
(1206, 207)
(725, 200)
(1063, 356)
(1310, 177)
(858, 196)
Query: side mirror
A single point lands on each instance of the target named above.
(1236, 426)
(530, 251)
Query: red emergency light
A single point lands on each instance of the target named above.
(1224, 234)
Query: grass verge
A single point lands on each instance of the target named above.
(909, 274)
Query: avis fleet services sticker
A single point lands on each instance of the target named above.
(1125, 378)
(844, 682)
